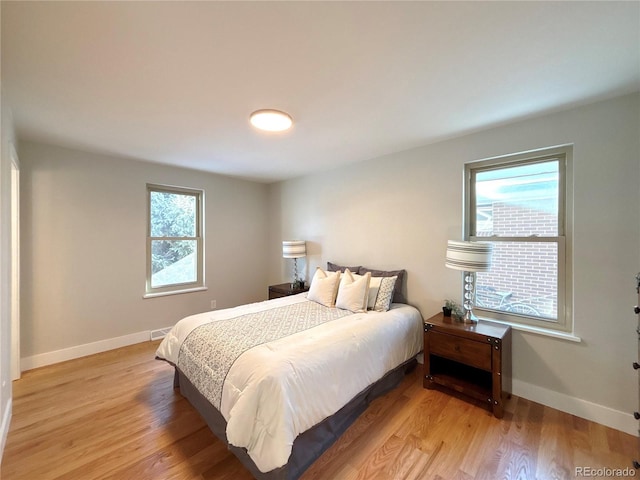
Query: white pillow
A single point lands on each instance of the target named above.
(323, 287)
(374, 286)
(353, 293)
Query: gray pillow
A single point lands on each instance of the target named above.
(334, 267)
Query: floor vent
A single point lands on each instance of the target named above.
(160, 333)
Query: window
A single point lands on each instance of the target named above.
(174, 240)
(519, 203)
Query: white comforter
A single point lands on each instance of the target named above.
(277, 390)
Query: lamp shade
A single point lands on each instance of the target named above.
(469, 256)
(294, 248)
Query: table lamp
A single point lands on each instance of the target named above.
(470, 257)
(294, 249)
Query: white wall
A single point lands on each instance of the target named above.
(7, 140)
(84, 241)
(399, 210)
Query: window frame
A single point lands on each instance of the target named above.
(564, 155)
(185, 287)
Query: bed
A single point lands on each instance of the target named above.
(279, 381)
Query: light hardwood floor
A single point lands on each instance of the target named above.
(116, 416)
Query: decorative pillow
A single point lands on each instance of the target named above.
(353, 293)
(334, 267)
(385, 293)
(324, 287)
(398, 296)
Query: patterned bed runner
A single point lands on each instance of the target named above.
(209, 351)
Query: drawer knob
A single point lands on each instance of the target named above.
(636, 415)
(636, 465)
(636, 365)
(636, 309)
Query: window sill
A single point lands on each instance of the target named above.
(174, 292)
(539, 331)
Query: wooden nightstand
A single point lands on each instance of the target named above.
(474, 360)
(284, 290)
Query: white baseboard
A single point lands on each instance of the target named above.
(57, 356)
(4, 427)
(609, 417)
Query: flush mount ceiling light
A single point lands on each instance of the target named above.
(271, 120)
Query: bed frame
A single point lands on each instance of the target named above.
(309, 445)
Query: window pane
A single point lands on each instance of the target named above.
(173, 262)
(173, 215)
(518, 201)
(523, 279)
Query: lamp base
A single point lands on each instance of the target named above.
(469, 318)
(469, 295)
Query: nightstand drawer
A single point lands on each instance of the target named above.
(273, 294)
(469, 352)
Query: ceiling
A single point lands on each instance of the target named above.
(175, 82)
